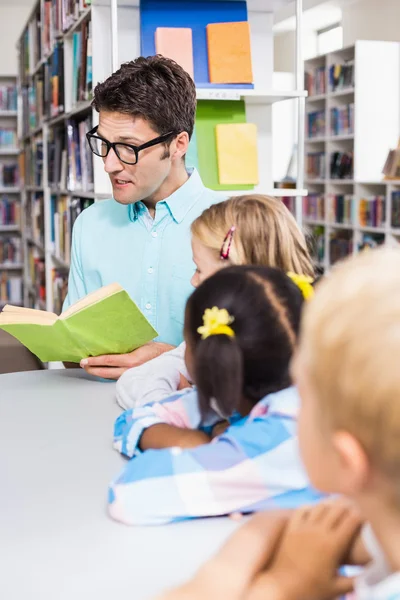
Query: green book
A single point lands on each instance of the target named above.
(106, 321)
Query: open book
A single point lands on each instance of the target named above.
(106, 321)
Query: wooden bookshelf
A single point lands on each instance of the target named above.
(348, 91)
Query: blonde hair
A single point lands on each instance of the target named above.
(350, 346)
(266, 233)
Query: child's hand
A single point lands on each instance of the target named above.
(313, 547)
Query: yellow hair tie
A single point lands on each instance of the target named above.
(303, 283)
(216, 321)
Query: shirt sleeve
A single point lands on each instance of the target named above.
(255, 465)
(180, 409)
(152, 381)
(76, 283)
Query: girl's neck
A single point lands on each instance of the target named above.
(245, 406)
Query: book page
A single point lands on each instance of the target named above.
(12, 318)
(31, 312)
(90, 299)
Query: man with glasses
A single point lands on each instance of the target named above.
(141, 238)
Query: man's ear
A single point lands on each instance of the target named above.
(353, 463)
(181, 145)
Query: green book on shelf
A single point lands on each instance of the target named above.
(106, 321)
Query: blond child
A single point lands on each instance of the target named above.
(347, 373)
(244, 230)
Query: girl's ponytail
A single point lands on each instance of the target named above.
(219, 373)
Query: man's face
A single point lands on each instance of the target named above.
(132, 183)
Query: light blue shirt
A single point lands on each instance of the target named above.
(150, 258)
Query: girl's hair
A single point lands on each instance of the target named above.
(266, 233)
(265, 305)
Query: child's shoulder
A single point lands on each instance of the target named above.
(284, 403)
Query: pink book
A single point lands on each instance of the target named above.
(176, 43)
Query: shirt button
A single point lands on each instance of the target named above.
(154, 234)
(150, 270)
(148, 306)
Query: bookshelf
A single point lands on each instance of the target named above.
(351, 122)
(11, 241)
(61, 176)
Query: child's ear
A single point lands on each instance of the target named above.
(353, 463)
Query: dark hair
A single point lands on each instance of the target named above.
(266, 307)
(155, 88)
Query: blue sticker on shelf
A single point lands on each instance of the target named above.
(197, 15)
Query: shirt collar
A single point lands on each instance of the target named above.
(180, 202)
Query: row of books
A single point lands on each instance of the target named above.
(395, 220)
(80, 157)
(290, 203)
(315, 81)
(8, 138)
(372, 211)
(340, 246)
(316, 240)
(82, 76)
(10, 288)
(33, 163)
(315, 165)
(37, 275)
(342, 120)
(31, 47)
(316, 126)
(64, 212)
(10, 250)
(34, 217)
(314, 207)
(341, 208)
(9, 175)
(57, 158)
(58, 17)
(8, 97)
(228, 50)
(341, 76)
(341, 165)
(391, 168)
(10, 211)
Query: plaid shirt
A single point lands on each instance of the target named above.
(254, 465)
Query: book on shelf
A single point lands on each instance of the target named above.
(290, 203)
(395, 216)
(54, 82)
(9, 176)
(33, 156)
(316, 242)
(76, 207)
(341, 165)
(10, 288)
(10, 211)
(315, 165)
(80, 157)
(342, 120)
(341, 76)
(315, 81)
(37, 274)
(316, 124)
(106, 321)
(371, 241)
(237, 155)
(57, 158)
(391, 168)
(82, 63)
(59, 280)
(176, 43)
(8, 97)
(61, 230)
(229, 52)
(10, 250)
(8, 138)
(34, 217)
(341, 208)
(372, 211)
(340, 245)
(314, 206)
(31, 46)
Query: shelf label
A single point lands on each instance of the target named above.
(215, 94)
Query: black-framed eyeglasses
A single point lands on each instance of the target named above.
(127, 153)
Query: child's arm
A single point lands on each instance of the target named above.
(152, 381)
(170, 422)
(254, 466)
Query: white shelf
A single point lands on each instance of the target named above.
(10, 190)
(9, 151)
(317, 222)
(84, 15)
(311, 181)
(339, 93)
(6, 114)
(34, 188)
(11, 267)
(341, 226)
(340, 181)
(9, 228)
(59, 262)
(277, 192)
(316, 140)
(372, 229)
(35, 243)
(33, 133)
(395, 231)
(4, 302)
(251, 96)
(341, 138)
(316, 97)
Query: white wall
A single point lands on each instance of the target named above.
(284, 49)
(371, 20)
(12, 20)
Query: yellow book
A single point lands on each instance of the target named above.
(237, 153)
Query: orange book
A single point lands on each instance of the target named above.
(229, 54)
(176, 43)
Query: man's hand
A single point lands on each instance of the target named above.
(111, 366)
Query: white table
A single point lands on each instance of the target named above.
(56, 460)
